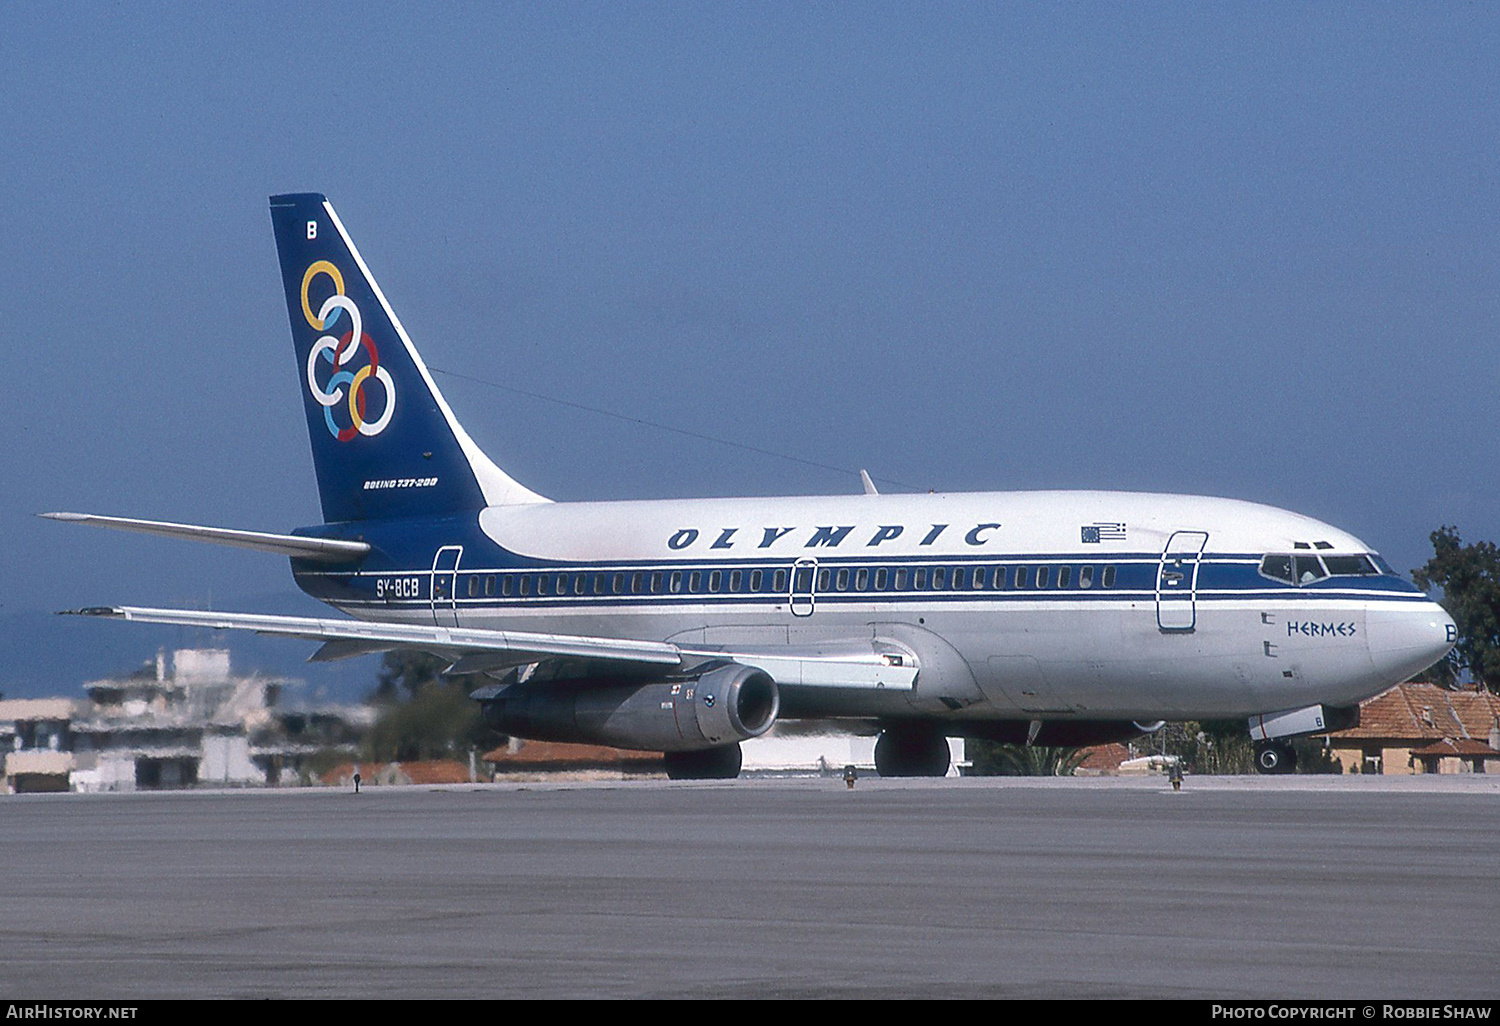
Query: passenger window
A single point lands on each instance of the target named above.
(1021, 575)
(901, 579)
(1109, 577)
(525, 584)
(822, 580)
(505, 585)
(980, 576)
(919, 579)
(882, 578)
(715, 578)
(1064, 577)
(1043, 575)
(755, 578)
(542, 580)
(999, 581)
(617, 585)
(598, 584)
(578, 582)
(675, 584)
(735, 576)
(778, 581)
(636, 580)
(1085, 577)
(489, 585)
(861, 579)
(562, 584)
(939, 577)
(473, 586)
(1308, 569)
(841, 582)
(656, 583)
(695, 581)
(960, 577)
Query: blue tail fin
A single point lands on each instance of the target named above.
(384, 442)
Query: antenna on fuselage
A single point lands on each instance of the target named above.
(864, 475)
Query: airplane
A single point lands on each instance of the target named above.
(688, 626)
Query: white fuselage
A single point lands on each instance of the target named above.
(1027, 605)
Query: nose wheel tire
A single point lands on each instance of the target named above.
(1275, 757)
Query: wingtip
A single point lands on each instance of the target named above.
(93, 611)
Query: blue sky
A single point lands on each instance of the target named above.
(1243, 250)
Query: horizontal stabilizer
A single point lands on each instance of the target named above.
(322, 550)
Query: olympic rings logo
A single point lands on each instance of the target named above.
(338, 352)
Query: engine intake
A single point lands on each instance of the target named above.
(725, 704)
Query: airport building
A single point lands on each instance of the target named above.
(175, 722)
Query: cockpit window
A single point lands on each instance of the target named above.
(1383, 566)
(1278, 568)
(1350, 566)
(1305, 568)
(1308, 569)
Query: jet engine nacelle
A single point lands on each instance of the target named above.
(721, 706)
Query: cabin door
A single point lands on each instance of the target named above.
(445, 585)
(1177, 581)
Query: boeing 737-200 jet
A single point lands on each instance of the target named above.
(688, 626)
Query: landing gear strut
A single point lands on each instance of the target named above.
(708, 764)
(911, 753)
(1275, 757)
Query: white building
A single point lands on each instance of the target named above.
(164, 726)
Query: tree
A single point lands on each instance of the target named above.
(406, 669)
(996, 759)
(423, 714)
(1470, 578)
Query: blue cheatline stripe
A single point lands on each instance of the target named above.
(1039, 598)
(1216, 579)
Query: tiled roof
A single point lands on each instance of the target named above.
(1416, 712)
(1104, 758)
(1462, 746)
(555, 755)
(432, 771)
(436, 771)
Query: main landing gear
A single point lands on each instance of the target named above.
(911, 753)
(707, 764)
(1275, 757)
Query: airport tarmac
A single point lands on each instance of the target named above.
(1362, 888)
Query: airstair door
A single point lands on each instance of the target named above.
(445, 585)
(1177, 582)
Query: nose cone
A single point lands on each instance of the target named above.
(1409, 638)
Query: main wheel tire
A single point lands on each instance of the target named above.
(708, 764)
(919, 753)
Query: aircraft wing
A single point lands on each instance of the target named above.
(854, 665)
